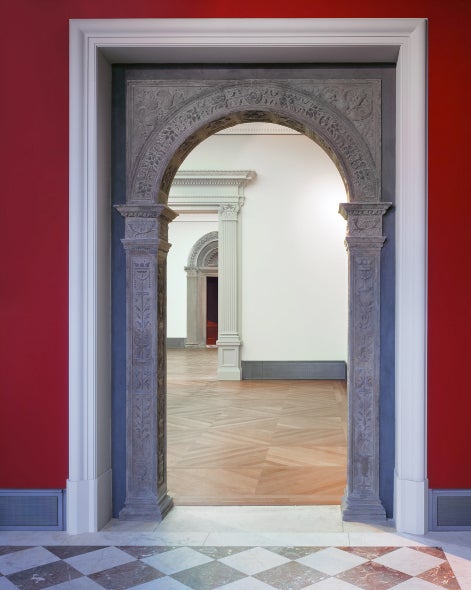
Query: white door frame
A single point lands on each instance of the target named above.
(94, 45)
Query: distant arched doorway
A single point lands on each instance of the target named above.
(202, 263)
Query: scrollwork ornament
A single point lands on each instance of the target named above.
(170, 141)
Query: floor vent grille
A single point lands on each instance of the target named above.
(450, 510)
(30, 510)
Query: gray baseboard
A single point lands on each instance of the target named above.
(294, 370)
(176, 342)
(32, 510)
(450, 510)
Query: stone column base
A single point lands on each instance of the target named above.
(145, 510)
(363, 509)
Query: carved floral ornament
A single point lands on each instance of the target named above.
(204, 246)
(318, 116)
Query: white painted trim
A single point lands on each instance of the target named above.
(207, 190)
(411, 299)
(262, 40)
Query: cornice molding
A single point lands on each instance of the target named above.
(239, 178)
(208, 190)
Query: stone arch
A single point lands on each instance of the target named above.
(281, 103)
(204, 252)
(202, 263)
(333, 124)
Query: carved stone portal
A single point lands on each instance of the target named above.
(165, 121)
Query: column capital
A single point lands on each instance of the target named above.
(147, 211)
(146, 227)
(230, 211)
(364, 219)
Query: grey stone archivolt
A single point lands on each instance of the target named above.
(342, 118)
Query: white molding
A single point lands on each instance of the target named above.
(206, 190)
(411, 280)
(242, 40)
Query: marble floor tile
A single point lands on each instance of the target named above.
(415, 584)
(246, 584)
(164, 583)
(78, 584)
(98, 560)
(290, 576)
(331, 561)
(24, 559)
(5, 584)
(254, 560)
(208, 576)
(125, 576)
(44, 576)
(177, 560)
(409, 561)
(373, 576)
(331, 584)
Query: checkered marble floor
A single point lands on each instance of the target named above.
(78, 567)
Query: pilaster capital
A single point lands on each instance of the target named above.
(192, 271)
(230, 211)
(364, 219)
(146, 227)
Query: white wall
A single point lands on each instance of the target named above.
(183, 233)
(293, 260)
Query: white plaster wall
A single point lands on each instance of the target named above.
(293, 260)
(183, 233)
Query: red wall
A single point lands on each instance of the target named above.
(34, 189)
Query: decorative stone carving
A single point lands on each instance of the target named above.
(229, 212)
(359, 101)
(146, 249)
(364, 242)
(206, 244)
(283, 102)
(166, 120)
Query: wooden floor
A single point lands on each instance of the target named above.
(252, 442)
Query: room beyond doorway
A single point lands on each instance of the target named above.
(211, 311)
(252, 442)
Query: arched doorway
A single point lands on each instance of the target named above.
(402, 43)
(321, 116)
(202, 264)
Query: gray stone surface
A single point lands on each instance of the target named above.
(146, 245)
(364, 242)
(165, 121)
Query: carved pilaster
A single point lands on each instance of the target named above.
(146, 246)
(228, 326)
(364, 242)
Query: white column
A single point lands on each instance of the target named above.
(228, 323)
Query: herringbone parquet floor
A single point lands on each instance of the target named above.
(252, 442)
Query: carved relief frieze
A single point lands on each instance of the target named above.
(150, 105)
(359, 101)
(285, 102)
